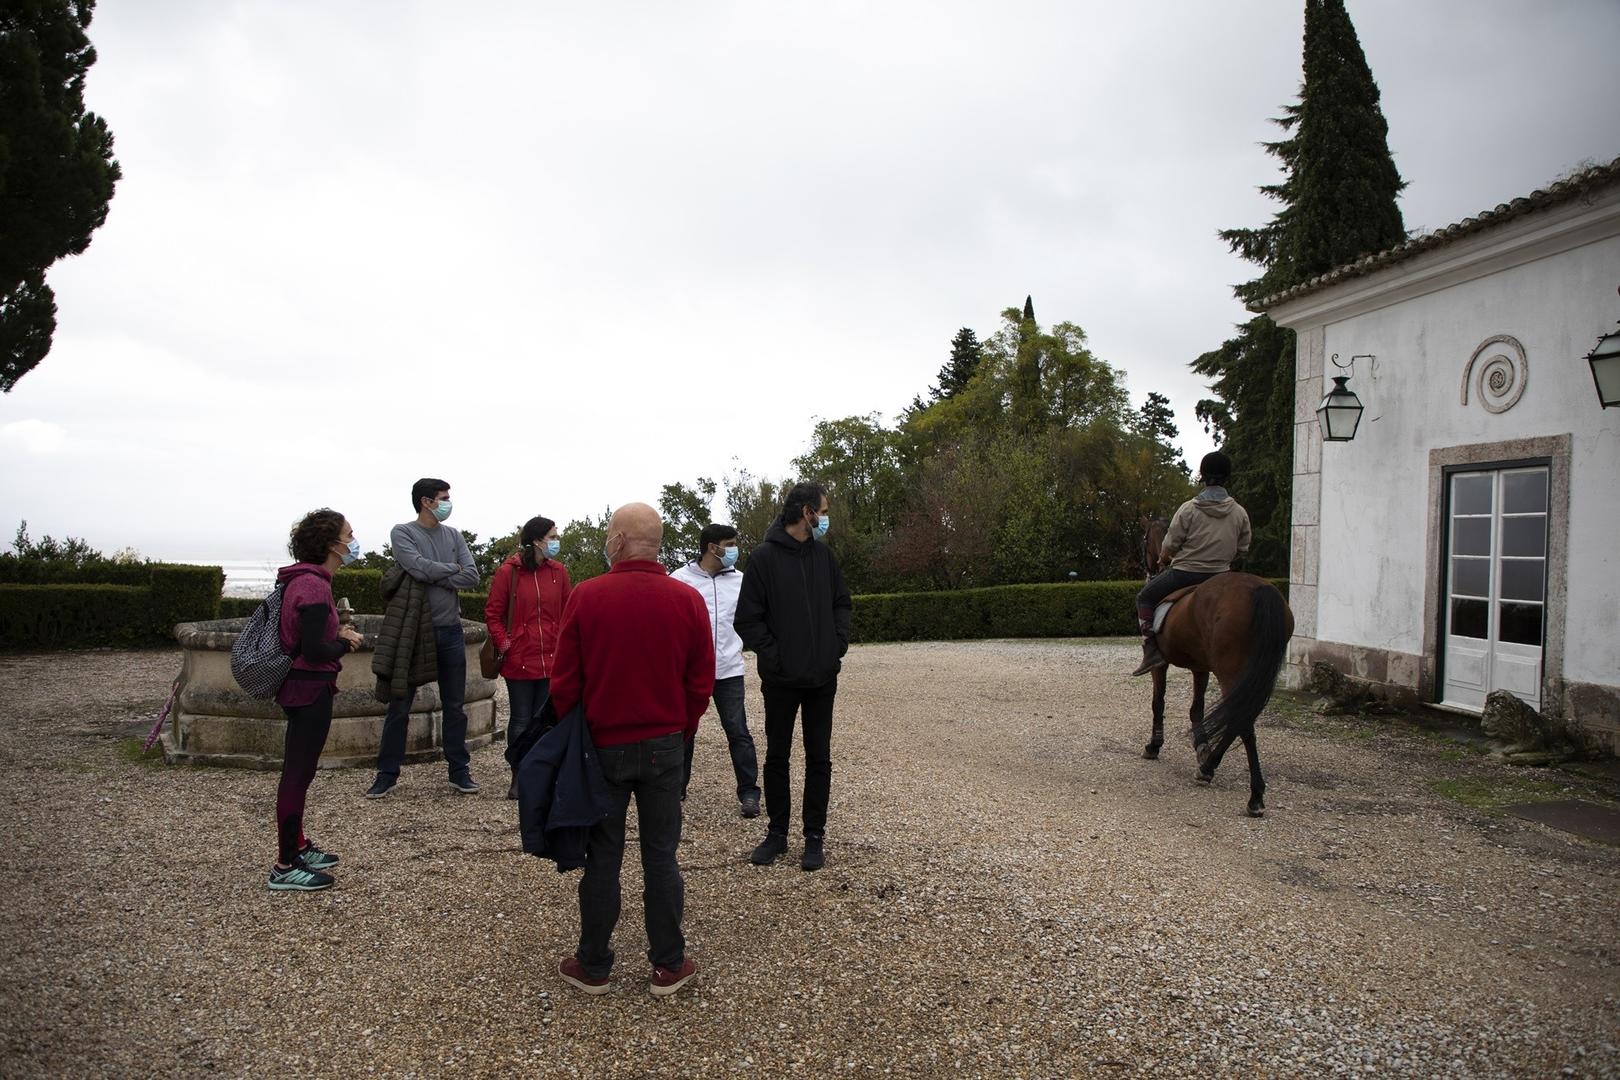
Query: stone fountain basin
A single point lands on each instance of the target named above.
(214, 723)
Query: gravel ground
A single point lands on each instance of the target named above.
(1011, 890)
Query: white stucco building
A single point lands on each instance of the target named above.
(1468, 538)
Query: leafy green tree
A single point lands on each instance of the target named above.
(57, 171)
(1338, 202)
(751, 505)
(71, 552)
(685, 511)
(860, 462)
(581, 544)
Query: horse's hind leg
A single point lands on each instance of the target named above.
(1196, 713)
(1151, 750)
(1257, 782)
(1209, 757)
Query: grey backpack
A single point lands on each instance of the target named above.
(257, 662)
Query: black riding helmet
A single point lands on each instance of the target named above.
(1215, 470)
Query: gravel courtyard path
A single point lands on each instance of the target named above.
(1010, 891)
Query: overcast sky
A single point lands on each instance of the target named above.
(561, 255)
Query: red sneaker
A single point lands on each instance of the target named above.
(668, 980)
(573, 972)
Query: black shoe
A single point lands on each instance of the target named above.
(769, 850)
(1150, 657)
(750, 806)
(465, 784)
(512, 792)
(381, 786)
(813, 859)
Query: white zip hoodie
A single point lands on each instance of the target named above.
(719, 592)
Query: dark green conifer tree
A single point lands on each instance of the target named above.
(57, 171)
(966, 353)
(1337, 204)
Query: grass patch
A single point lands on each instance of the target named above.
(129, 751)
(1491, 794)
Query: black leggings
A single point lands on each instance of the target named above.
(1162, 586)
(307, 726)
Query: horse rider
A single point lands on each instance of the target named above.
(1207, 535)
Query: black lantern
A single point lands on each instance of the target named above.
(1340, 412)
(1605, 361)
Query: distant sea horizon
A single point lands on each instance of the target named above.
(247, 578)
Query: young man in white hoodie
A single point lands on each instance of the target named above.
(1208, 534)
(716, 578)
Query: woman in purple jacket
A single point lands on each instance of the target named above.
(321, 542)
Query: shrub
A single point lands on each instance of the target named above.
(362, 587)
(54, 616)
(183, 594)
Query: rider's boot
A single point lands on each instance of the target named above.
(1150, 655)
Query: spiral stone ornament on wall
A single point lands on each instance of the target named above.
(1500, 376)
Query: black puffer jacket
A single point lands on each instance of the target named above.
(794, 610)
(406, 653)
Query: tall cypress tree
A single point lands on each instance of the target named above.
(57, 171)
(1337, 204)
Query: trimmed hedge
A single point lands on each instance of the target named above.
(1066, 609)
(94, 612)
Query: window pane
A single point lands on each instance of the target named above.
(1520, 624)
(1524, 536)
(1521, 579)
(1471, 536)
(1470, 618)
(1524, 492)
(1471, 494)
(1471, 577)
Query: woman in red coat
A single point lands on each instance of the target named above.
(535, 586)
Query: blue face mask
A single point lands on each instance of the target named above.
(728, 557)
(820, 528)
(353, 553)
(442, 509)
(551, 548)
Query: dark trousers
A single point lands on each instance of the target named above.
(307, 726)
(1160, 587)
(529, 703)
(728, 704)
(451, 650)
(651, 771)
(815, 704)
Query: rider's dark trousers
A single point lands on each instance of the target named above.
(1159, 588)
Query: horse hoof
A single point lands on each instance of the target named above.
(1150, 752)
(1256, 811)
(1205, 778)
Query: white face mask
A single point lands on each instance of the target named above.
(441, 509)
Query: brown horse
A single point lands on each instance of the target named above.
(1237, 627)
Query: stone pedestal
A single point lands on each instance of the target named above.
(215, 723)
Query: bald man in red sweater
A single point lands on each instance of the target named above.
(635, 648)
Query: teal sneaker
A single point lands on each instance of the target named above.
(316, 859)
(299, 878)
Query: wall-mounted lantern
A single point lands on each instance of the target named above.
(1605, 361)
(1340, 411)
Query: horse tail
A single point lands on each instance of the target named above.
(1235, 713)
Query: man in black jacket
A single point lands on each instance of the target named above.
(793, 614)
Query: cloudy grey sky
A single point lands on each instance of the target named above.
(563, 254)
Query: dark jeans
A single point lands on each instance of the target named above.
(307, 727)
(728, 703)
(650, 770)
(529, 702)
(1159, 588)
(816, 706)
(451, 649)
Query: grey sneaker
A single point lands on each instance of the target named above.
(299, 878)
(381, 786)
(465, 784)
(314, 858)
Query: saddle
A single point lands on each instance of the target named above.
(1162, 612)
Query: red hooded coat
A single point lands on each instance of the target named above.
(531, 651)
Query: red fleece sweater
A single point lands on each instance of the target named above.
(636, 649)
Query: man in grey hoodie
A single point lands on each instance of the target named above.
(1208, 534)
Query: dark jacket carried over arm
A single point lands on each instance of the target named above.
(793, 611)
(561, 792)
(406, 654)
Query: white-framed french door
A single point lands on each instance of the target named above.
(1495, 584)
